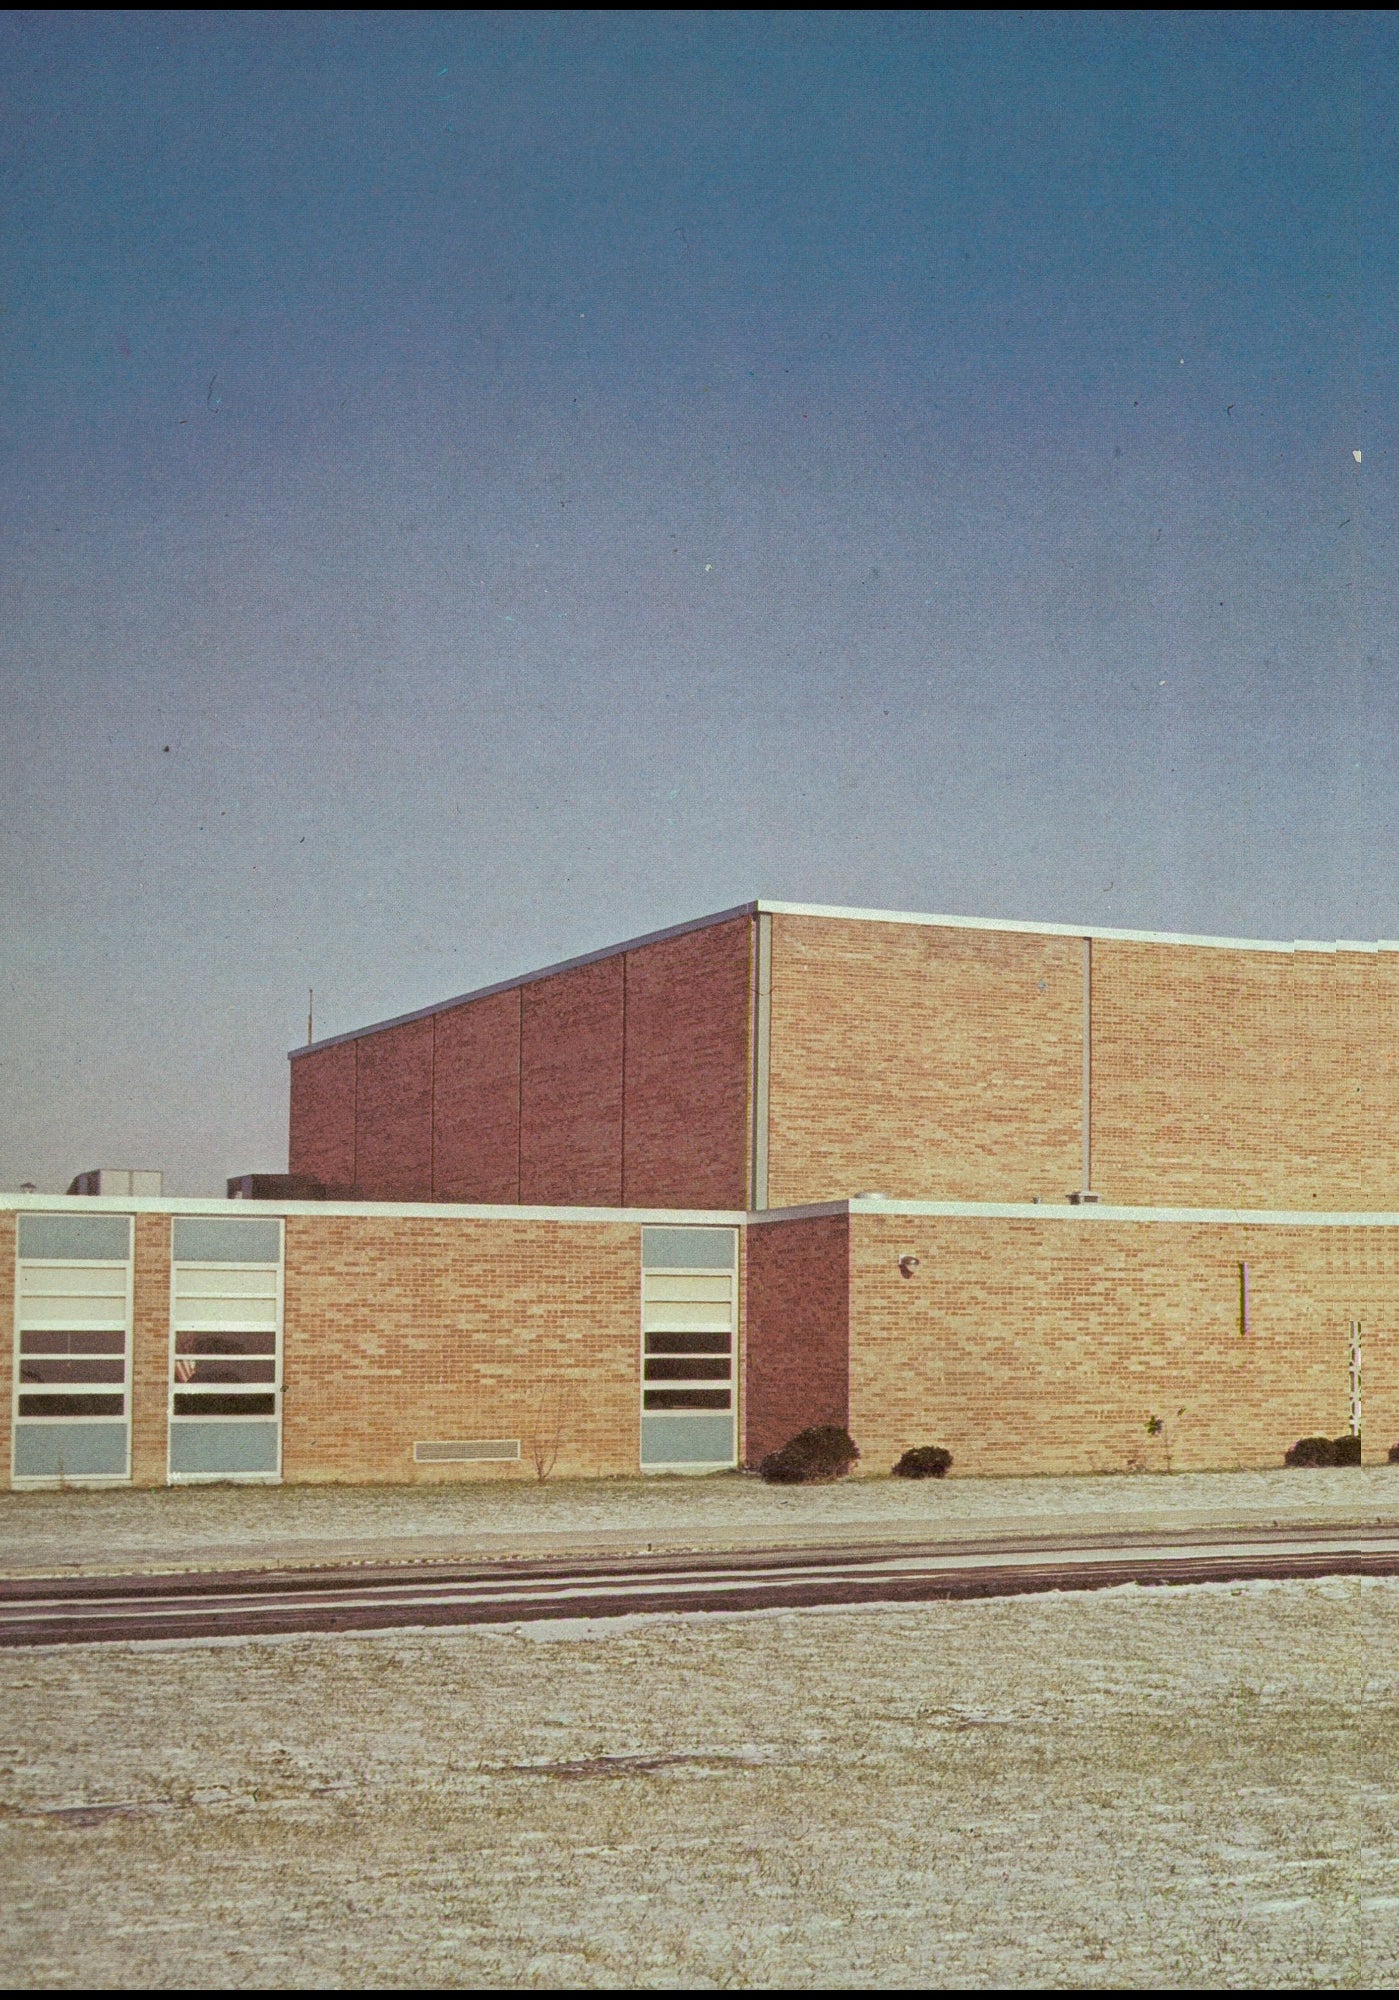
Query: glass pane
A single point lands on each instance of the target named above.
(71, 1371)
(53, 1340)
(71, 1406)
(687, 1439)
(686, 1399)
(222, 1450)
(215, 1405)
(687, 1343)
(224, 1369)
(689, 1249)
(208, 1239)
(688, 1368)
(262, 1341)
(104, 1237)
(70, 1451)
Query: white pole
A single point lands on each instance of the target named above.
(1355, 1378)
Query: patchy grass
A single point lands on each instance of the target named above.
(1178, 1787)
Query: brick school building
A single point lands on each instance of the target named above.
(1063, 1201)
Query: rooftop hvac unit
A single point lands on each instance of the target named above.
(119, 1180)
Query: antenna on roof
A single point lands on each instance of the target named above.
(310, 1015)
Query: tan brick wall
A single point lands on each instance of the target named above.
(476, 1100)
(400, 1329)
(797, 1330)
(8, 1235)
(688, 1011)
(150, 1352)
(1262, 1079)
(1046, 1347)
(926, 1063)
(321, 1138)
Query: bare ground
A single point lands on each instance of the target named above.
(203, 1525)
(1178, 1787)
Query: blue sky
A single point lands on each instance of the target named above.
(478, 486)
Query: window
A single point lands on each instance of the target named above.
(225, 1349)
(72, 1375)
(689, 1323)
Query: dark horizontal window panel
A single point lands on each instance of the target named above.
(71, 1406)
(223, 1368)
(212, 1404)
(264, 1341)
(53, 1340)
(686, 1399)
(687, 1343)
(45, 1370)
(688, 1368)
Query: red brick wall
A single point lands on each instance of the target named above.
(322, 1135)
(923, 1062)
(623, 1081)
(393, 1113)
(1030, 1346)
(400, 1329)
(1269, 1079)
(797, 1330)
(476, 1144)
(687, 1027)
(571, 1095)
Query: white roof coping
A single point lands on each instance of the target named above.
(1107, 932)
(762, 906)
(231, 1207)
(1102, 1211)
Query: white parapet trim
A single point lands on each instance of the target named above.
(234, 1207)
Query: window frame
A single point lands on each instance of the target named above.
(24, 1481)
(276, 1387)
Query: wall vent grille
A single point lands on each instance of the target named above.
(457, 1451)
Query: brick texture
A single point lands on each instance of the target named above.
(621, 1082)
(571, 1087)
(393, 1113)
(1266, 1079)
(686, 1100)
(797, 1332)
(924, 1063)
(1048, 1347)
(400, 1329)
(322, 1134)
(9, 1233)
(476, 1103)
(150, 1352)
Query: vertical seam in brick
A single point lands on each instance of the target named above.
(622, 1139)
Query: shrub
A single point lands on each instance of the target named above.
(1311, 1451)
(1347, 1451)
(1394, 1454)
(823, 1452)
(925, 1461)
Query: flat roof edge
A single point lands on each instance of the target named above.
(1102, 1211)
(1107, 932)
(525, 979)
(232, 1207)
